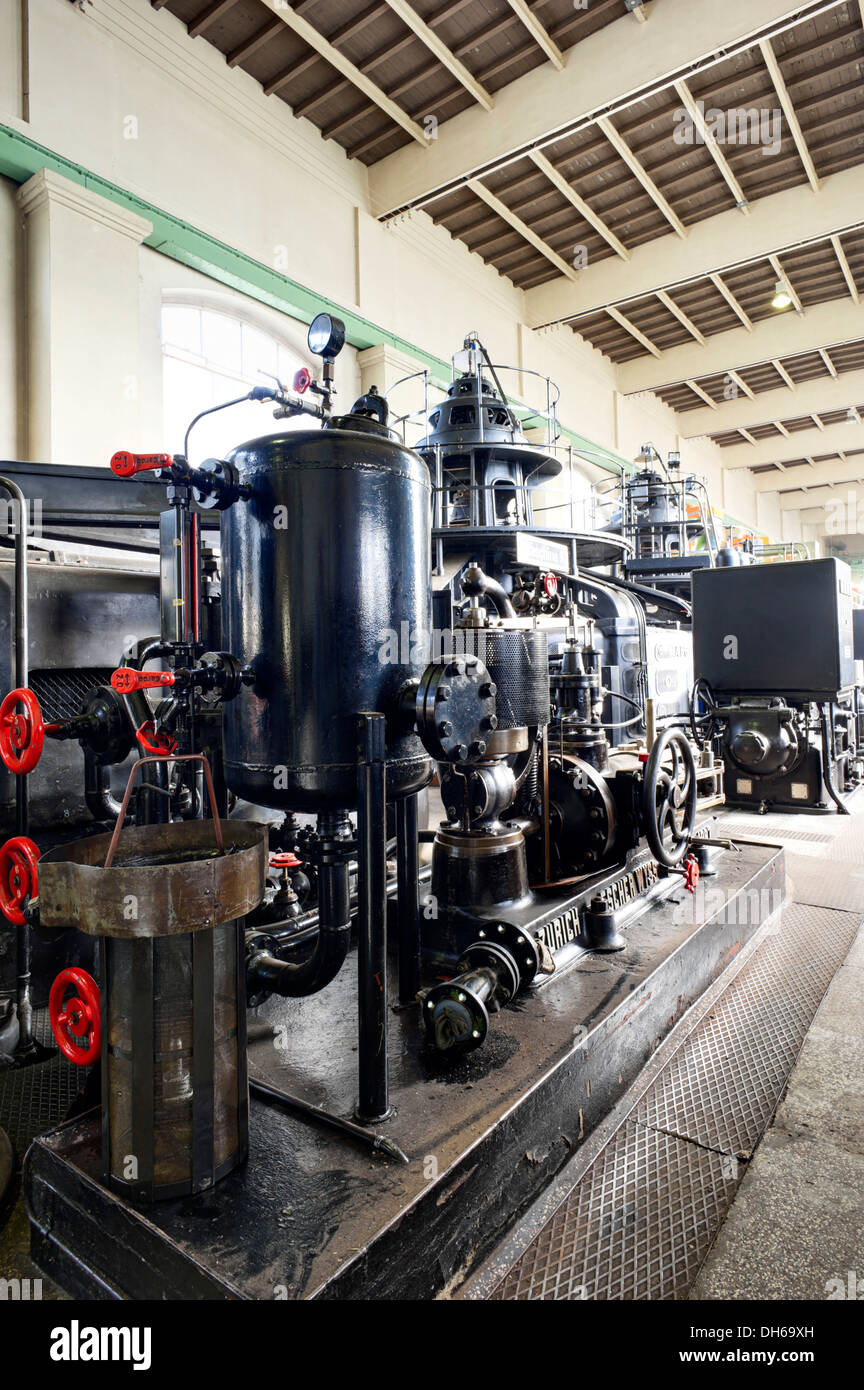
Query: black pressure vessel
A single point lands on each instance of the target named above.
(326, 595)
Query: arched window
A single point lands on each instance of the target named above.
(209, 357)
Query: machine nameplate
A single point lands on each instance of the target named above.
(563, 931)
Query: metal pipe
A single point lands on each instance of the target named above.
(101, 803)
(826, 764)
(297, 979)
(408, 890)
(24, 1008)
(476, 582)
(314, 1112)
(373, 1103)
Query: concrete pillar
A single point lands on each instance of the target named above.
(382, 366)
(82, 328)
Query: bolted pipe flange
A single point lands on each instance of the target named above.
(455, 709)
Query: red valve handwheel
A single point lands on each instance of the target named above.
(126, 679)
(126, 465)
(691, 873)
(77, 1018)
(21, 735)
(285, 861)
(550, 585)
(19, 877)
(302, 380)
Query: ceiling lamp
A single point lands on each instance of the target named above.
(782, 298)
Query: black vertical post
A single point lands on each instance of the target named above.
(408, 897)
(373, 1103)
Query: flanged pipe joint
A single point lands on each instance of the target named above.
(502, 961)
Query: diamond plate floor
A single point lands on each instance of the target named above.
(638, 1216)
(34, 1099)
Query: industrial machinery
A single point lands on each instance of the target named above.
(781, 708)
(486, 478)
(369, 619)
(668, 521)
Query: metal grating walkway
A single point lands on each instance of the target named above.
(35, 1099)
(634, 1216)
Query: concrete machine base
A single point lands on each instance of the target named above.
(317, 1214)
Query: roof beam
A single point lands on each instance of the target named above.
(481, 191)
(540, 35)
(261, 36)
(669, 303)
(202, 22)
(703, 395)
(632, 330)
(782, 372)
(720, 284)
(581, 206)
(789, 112)
(741, 384)
(782, 275)
(844, 264)
(779, 449)
(305, 31)
(409, 16)
(709, 139)
(777, 223)
(603, 72)
(830, 472)
(638, 170)
(819, 395)
(828, 363)
(792, 500)
(781, 336)
(778, 424)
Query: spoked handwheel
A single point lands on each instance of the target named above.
(703, 723)
(669, 797)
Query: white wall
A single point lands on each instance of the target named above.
(11, 445)
(124, 92)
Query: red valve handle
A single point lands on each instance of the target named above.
(78, 1018)
(691, 873)
(19, 877)
(126, 679)
(152, 741)
(550, 585)
(21, 735)
(126, 465)
(302, 380)
(285, 861)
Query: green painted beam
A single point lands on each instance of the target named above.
(21, 157)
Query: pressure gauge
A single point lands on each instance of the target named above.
(326, 336)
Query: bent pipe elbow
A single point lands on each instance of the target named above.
(297, 979)
(476, 583)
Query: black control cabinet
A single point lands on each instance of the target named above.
(783, 629)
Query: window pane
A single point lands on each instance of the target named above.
(260, 354)
(231, 356)
(187, 388)
(220, 338)
(289, 362)
(181, 328)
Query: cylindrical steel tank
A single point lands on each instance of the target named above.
(326, 595)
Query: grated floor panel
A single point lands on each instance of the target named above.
(34, 1099)
(639, 1220)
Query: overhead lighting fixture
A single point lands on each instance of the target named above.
(782, 298)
